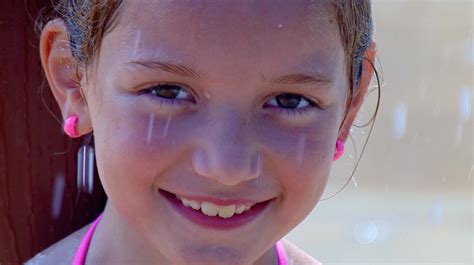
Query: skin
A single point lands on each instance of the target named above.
(228, 138)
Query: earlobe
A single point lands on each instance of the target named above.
(62, 73)
(361, 91)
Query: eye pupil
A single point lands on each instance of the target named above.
(167, 91)
(288, 100)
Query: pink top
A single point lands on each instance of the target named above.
(81, 253)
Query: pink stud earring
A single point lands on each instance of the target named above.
(339, 150)
(85, 156)
(70, 126)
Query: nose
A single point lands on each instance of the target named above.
(226, 151)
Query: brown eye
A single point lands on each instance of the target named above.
(168, 91)
(291, 101)
(293, 105)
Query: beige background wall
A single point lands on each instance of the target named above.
(411, 200)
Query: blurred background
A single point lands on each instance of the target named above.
(410, 200)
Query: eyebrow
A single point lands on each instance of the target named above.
(295, 79)
(182, 70)
(177, 69)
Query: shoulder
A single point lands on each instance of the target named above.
(61, 252)
(297, 256)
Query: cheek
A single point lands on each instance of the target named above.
(302, 159)
(133, 147)
(304, 162)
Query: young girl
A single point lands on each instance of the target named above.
(215, 123)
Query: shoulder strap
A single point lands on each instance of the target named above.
(81, 253)
(282, 260)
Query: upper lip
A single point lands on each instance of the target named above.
(218, 200)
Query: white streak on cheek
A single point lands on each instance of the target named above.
(300, 149)
(136, 44)
(165, 130)
(151, 123)
(259, 168)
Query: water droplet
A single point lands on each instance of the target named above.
(436, 111)
(422, 87)
(470, 174)
(259, 169)
(415, 138)
(85, 168)
(136, 46)
(470, 50)
(90, 169)
(247, 123)
(365, 232)
(458, 134)
(464, 103)
(300, 149)
(207, 95)
(151, 124)
(280, 25)
(258, 166)
(399, 121)
(58, 191)
(355, 183)
(437, 213)
(165, 130)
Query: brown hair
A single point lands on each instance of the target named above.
(88, 21)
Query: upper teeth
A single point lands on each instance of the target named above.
(211, 209)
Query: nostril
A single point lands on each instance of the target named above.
(227, 166)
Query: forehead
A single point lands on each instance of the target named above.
(228, 31)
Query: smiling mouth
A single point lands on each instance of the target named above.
(211, 209)
(215, 215)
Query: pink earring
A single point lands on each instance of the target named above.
(70, 126)
(339, 150)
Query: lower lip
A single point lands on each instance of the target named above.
(215, 222)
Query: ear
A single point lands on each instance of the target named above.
(63, 74)
(360, 91)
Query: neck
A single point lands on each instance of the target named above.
(115, 242)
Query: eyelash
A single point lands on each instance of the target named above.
(296, 112)
(165, 101)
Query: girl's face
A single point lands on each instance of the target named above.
(228, 102)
